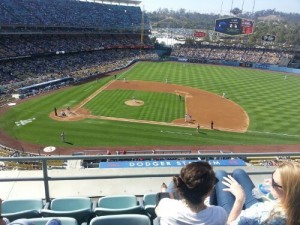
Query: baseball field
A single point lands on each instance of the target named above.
(159, 105)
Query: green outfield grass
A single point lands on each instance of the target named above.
(271, 102)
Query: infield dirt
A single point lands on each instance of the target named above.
(203, 107)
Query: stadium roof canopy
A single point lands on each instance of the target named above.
(128, 2)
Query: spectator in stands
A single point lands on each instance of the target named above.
(194, 183)
(234, 193)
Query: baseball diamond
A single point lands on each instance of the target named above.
(260, 111)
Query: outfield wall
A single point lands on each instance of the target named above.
(240, 64)
(256, 66)
(276, 68)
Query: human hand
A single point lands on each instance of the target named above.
(235, 188)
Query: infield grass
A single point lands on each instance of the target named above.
(271, 102)
(157, 106)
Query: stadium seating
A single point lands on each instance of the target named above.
(21, 208)
(79, 208)
(63, 220)
(149, 202)
(130, 219)
(118, 204)
(231, 53)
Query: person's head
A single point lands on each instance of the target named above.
(286, 187)
(195, 182)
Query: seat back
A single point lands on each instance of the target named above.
(149, 202)
(149, 199)
(128, 219)
(63, 220)
(19, 205)
(118, 201)
(70, 204)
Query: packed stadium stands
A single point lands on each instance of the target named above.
(232, 53)
(38, 43)
(27, 71)
(80, 14)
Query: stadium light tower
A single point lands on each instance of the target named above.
(231, 6)
(221, 8)
(142, 27)
(253, 7)
(242, 6)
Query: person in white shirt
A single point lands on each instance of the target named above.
(194, 184)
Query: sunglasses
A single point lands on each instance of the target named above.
(274, 184)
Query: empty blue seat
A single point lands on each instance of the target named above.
(129, 219)
(118, 204)
(21, 208)
(79, 208)
(149, 202)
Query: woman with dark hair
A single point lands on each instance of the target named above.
(194, 183)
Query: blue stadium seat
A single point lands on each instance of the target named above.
(129, 219)
(79, 208)
(21, 208)
(118, 204)
(43, 221)
(149, 202)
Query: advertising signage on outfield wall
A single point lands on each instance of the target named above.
(234, 26)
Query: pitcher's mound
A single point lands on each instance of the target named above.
(134, 103)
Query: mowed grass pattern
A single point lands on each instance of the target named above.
(163, 107)
(271, 102)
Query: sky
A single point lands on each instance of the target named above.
(216, 6)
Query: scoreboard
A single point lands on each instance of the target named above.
(234, 26)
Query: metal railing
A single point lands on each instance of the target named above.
(46, 159)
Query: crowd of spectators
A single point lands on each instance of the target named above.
(53, 13)
(32, 59)
(23, 72)
(30, 45)
(249, 55)
(10, 152)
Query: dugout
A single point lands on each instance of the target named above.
(35, 88)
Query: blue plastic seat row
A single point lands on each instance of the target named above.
(82, 209)
(124, 219)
